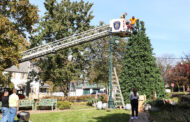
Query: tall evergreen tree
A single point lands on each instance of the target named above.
(61, 20)
(139, 68)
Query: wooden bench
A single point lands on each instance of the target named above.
(26, 103)
(47, 102)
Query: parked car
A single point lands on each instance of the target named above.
(20, 94)
(98, 92)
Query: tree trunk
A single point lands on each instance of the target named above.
(65, 89)
(27, 88)
(65, 93)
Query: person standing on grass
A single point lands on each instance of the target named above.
(13, 105)
(134, 97)
(5, 106)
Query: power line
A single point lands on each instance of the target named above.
(173, 58)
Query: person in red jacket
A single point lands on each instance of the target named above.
(129, 27)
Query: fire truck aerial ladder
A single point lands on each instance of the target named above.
(116, 27)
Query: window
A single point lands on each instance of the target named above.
(72, 87)
(86, 91)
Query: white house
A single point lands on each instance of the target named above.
(19, 74)
(20, 77)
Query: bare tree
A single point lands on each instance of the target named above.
(186, 58)
(165, 63)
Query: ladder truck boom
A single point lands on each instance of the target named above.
(116, 27)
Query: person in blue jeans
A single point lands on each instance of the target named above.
(13, 105)
(12, 114)
(5, 106)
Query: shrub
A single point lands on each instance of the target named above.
(176, 94)
(156, 103)
(79, 103)
(70, 99)
(100, 98)
(83, 98)
(184, 105)
(185, 99)
(63, 105)
(175, 99)
(103, 98)
(91, 101)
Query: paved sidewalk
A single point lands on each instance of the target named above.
(143, 117)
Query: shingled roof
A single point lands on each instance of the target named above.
(23, 67)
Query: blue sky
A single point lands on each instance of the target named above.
(167, 21)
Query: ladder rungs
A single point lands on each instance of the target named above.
(118, 101)
(119, 104)
(117, 97)
(116, 90)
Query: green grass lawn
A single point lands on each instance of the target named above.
(90, 115)
(82, 113)
(78, 107)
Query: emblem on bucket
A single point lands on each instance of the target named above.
(116, 25)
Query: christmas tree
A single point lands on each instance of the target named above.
(139, 68)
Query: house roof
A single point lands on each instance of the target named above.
(22, 67)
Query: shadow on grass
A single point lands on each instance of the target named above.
(117, 117)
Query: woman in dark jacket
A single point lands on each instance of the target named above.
(5, 107)
(134, 97)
